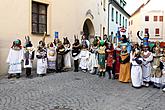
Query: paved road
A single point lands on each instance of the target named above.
(76, 91)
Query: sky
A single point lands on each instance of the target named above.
(132, 5)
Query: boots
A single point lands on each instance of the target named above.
(18, 75)
(28, 72)
(109, 73)
(100, 74)
(95, 71)
(114, 76)
(9, 76)
(104, 74)
(75, 65)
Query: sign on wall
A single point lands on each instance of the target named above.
(56, 34)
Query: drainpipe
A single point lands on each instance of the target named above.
(109, 3)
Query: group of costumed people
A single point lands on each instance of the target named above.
(142, 65)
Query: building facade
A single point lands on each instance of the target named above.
(118, 17)
(148, 18)
(34, 17)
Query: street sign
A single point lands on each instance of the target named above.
(56, 34)
(122, 30)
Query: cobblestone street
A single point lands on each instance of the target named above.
(76, 91)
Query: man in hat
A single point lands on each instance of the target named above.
(14, 59)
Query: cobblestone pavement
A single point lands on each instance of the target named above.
(76, 91)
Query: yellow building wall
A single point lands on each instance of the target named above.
(64, 16)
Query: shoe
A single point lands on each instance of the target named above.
(147, 85)
(163, 89)
(9, 76)
(103, 74)
(18, 75)
(84, 71)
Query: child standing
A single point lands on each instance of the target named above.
(28, 56)
(101, 58)
(14, 59)
(110, 59)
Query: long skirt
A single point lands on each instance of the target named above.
(136, 76)
(41, 66)
(125, 75)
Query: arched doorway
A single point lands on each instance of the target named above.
(88, 29)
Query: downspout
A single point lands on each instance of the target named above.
(109, 3)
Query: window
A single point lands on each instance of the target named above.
(126, 23)
(146, 18)
(112, 14)
(155, 18)
(120, 19)
(157, 32)
(116, 17)
(161, 18)
(123, 21)
(104, 4)
(39, 18)
(146, 30)
(131, 22)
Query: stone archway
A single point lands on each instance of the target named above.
(88, 29)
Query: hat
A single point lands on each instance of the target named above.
(28, 42)
(102, 42)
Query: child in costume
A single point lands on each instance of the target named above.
(41, 58)
(101, 59)
(146, 67)
(136, 69)
(162, 67)
(84, 57)
(60, 57)
(125, 74)
(117, 60)
(110, 60)
(28, 56)
(93, 59)
(156, 73)
(75, 53)
(51, 55)
(14, 59)
(67, 56)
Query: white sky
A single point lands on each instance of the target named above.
(132, 5)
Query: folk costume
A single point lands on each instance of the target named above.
(93, 59)
(60, 57)
(76, 48)
(146, 67)
(117, 60)
(67, 56)
(41, 56)
(101, 59)
(51, 55)
(156, 71)
(110, 59)
(125, 74)
(84, 57)
(162, 67)
(14, 59)
(136, 70)
(28, 56)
